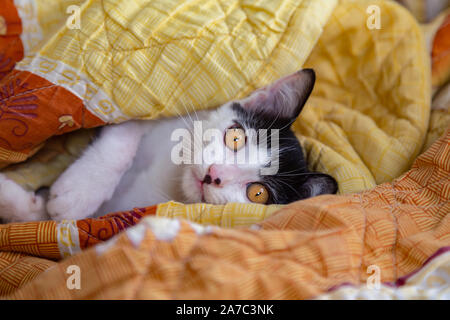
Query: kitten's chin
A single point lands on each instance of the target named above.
(195, 192)
(209, 197)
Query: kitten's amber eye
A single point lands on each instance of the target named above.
(235, 138)
(257, 193)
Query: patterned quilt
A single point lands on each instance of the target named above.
(316, 246)
(368, 119)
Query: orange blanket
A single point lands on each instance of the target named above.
(301, 251)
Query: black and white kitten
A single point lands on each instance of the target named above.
(244, 151)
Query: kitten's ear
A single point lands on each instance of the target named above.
(317, 184)
(285, 98)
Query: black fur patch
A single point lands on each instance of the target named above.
(289, 183)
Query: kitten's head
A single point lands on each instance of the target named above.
(242, 163)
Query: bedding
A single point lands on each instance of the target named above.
(299, 251)
(366, 122)
(430, 282)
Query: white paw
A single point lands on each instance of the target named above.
(74, 196)
(17, 204)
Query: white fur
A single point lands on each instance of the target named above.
(16, 204)
(93, 178)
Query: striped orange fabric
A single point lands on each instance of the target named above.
(303, 250)
(44, 238)
(35, 238)
(17, 269)
(26, 247)
(395, 226)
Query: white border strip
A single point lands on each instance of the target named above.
(31, 31)
(61, 74)
(68, 238)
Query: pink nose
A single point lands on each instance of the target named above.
(219, 175)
